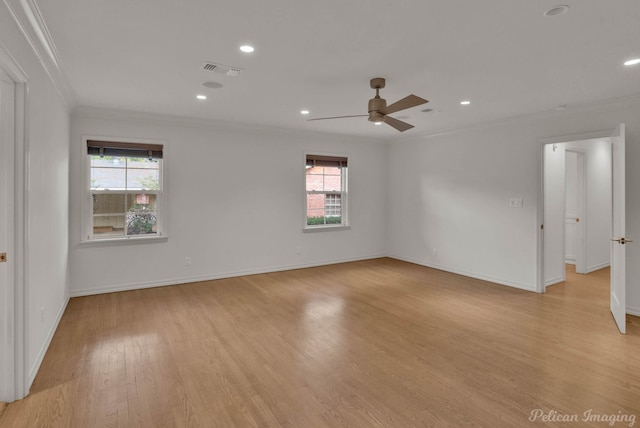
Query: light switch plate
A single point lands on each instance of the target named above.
(515, 202)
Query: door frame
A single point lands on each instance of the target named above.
(17, 366)
(542, 142)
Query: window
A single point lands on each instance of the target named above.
(125, 184)
(326, 187)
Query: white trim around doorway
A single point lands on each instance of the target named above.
(18, 386)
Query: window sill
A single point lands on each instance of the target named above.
(125, 241)
(325, 228)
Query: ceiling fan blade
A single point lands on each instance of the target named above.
(398, 124)
(338, 117)
(405, 103)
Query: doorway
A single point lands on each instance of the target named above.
(13, 229)
(582, 208)
(577, 207)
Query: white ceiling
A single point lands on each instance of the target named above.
(503, 55)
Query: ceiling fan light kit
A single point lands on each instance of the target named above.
(379, 111)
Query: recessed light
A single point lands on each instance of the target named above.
(304, 111)
(633, 61)
(557, 10)
(247, 48)
(377, 123)
(465, 103)
(212, 85)
(201, 97)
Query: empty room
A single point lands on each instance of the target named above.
(319, 214)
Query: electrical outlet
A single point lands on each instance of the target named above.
(299, 250)
(187, 261)
(515, 202)
(42, 314)
(435, 252)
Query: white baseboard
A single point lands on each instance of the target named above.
(501, 281)
(45, 346)
(213, 276)
(598, 267)
(554, 281)
(633, 311)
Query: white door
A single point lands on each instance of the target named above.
(618, 253)
(571, 208)
(575, 210)
(6, 236)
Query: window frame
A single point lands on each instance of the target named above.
(86, 219)
(344, 199)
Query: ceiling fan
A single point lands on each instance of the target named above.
(379, 110)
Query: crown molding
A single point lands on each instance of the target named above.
(27, 17)
(137, 116)
(118, 114)
(600, 105)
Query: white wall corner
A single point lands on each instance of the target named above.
(28, 18)
(487, 278)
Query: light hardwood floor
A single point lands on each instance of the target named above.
(378, 343)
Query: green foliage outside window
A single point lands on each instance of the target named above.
(313, 221)
(140, 220)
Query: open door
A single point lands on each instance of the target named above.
(575, 208)
(618, 240)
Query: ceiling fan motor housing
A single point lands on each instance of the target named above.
(375, 116)
(377, 106)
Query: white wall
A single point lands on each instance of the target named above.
(451, 191)
(47, 222)
(554, 213)
(235, 204)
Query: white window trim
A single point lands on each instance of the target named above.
(325, 228)
(86, 232)
(345, 225)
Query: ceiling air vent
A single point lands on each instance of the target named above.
(221, 69)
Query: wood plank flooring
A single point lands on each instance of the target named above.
(378, 343)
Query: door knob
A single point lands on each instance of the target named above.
(622, 240)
